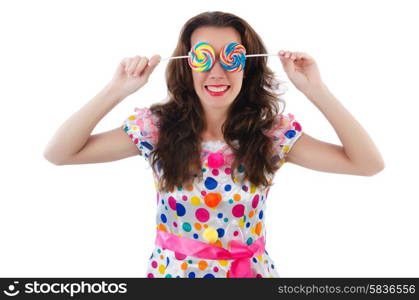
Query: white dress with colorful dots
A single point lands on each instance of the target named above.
(238, 212)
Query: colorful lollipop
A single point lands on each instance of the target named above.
(233, 57)
(201, 57)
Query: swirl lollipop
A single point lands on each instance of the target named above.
(201, 57)
(233, 57)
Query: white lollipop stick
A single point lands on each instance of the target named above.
(253, 55)
(186, 56)
(175, 57)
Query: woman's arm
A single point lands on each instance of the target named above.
(357, 156)
(73, 142)
(71, 137)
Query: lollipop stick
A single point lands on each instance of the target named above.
(186, 56)
(253, 55)
(175, 57)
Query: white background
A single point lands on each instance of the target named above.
(99, 219)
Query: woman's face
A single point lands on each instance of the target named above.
(217, 76)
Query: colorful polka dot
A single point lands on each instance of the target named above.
(238, 210)
(223, 263)
(187, 227)
(179, 256)
(162, 269)
(195, 200)
(180, 210)
(210, 235)
(202, 265)
(255, 201)
(212, 199)
(258, 229)
(290, 134)
(220, 232)
(172, 203)
(202, 214)
(210, 183)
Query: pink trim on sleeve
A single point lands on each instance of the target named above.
(283, 124)
(147, 123)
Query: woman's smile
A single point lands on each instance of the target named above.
(217, 90)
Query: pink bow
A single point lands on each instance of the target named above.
(240, 253)
(228, 157)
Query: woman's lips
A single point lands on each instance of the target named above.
(217, 94)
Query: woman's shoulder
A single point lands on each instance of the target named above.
(143, 122)
(285, 126)
(145, 114)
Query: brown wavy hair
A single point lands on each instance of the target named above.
(249, 117)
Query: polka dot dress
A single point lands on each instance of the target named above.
(215, 210)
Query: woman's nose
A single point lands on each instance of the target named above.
(217, 69)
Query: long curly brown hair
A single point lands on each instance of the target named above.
(249, 117)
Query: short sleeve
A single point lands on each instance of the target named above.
(285, 133)
(142, 128)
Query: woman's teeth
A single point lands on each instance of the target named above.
(217, 89)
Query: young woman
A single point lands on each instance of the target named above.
(215, 146)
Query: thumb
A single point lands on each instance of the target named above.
(152, 64)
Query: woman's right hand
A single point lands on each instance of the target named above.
(132, 74)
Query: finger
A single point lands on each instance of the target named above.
(154, 61)
(133, 64)
(287, 64)
(152, 64)
(285, 54)
(141, 65)
(124, 62)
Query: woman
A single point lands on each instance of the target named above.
(215, 146)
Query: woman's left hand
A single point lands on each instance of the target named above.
(302, 70)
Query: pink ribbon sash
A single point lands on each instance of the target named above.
(240, 253)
